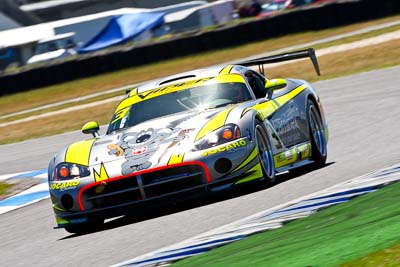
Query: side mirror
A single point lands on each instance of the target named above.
(91, 127)
(275, 84)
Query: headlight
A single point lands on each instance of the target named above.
(68, 171)
(226, 133)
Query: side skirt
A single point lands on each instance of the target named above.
(294, 157)
(294, 165)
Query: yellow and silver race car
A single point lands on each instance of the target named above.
(189, 134)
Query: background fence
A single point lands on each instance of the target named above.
(312, 18)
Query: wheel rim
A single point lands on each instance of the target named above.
(317, 131)
(265, 153)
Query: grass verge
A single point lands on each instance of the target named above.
(70, 90)
(385, 257)
(4, 187)
(332, 65)
(12, 187)
(337, 235)
(57, 124)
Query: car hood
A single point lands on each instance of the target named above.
(157, 142)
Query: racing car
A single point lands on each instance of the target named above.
(189, 134)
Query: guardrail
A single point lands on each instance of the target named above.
(307, 19)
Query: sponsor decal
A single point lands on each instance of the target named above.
(286, 156)
(171, 88)
(285, 126)
(304, 151)
(289, 155)
(68, 185)
(233, 146)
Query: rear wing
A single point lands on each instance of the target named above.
(310, 52)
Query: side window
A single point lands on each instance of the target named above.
(257, 83)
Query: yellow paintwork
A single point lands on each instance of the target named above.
(326, 131)
(213, 124)
(176, 158)
(285, 98)
(91, 125)
(102, 175)
(251, 157)
(275, 84)
(134, 97)
(120, 114)
(79, 152)
(257, 169)
(133, 92)
(264, 109)
(58, 208)
(226, 70)
(61, 221)
(292, 155)
(267, 108)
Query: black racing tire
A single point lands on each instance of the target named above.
(90, 226)
(265, 155)
(317, 135)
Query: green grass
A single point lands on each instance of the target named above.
(385, 257)
(4, 187)
(331, 237)
(61, 107)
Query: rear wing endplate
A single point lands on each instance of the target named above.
(260, 62)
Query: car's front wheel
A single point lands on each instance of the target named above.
(265, 155)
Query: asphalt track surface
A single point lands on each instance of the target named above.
(362, 111)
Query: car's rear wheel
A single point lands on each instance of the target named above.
(317, 135)
(265, 155)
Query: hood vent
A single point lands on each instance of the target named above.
(177, 78)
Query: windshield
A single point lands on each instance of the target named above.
(192, 99)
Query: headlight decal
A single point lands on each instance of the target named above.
(225, 134)
(215, 123)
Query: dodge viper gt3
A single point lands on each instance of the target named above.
(186, 135)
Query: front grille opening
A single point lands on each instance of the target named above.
(145, 186)
(167, 181)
